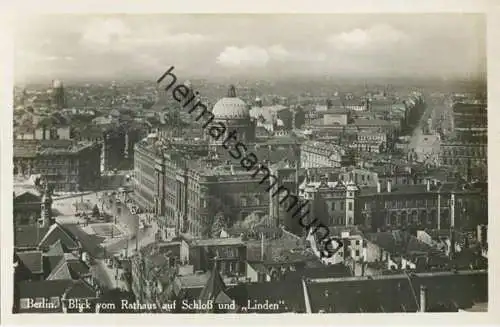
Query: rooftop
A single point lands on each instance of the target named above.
(218, 242)
(372, 122)
(447, 291)
(446, 188)
(33, 148)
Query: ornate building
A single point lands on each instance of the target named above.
(234, 114)
(333, 200)
(436, 206)
(187, 186)
(466, 149)
(67, 165)
(385, 207)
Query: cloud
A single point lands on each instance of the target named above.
(373, 38)
(104, 32)
(250, 56)
(253, 56)
(113, 35)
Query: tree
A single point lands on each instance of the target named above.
(218, 225)
(95, 211)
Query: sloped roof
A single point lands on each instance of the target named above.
(398, 242)
(32, 260)
(57, 249)
(214, 288)
(27, 197)
(90, 243)
(69, 269)
(28, 235)
(45, 288)
(396, 293)
(57, 233)
(80, 290)
(290, 292)
(336, 270)
(61, 271)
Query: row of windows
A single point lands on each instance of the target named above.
(401, 204)
(469, 151)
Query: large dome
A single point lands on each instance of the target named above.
(231, 107)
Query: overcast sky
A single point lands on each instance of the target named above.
(259, 46)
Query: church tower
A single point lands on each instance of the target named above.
(46, 208)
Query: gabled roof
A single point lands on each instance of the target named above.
(69, 269)
(215, 289)
(32, 260)
(27, 197)
(57, 249)
(80, 290)
(90, 243)
(61, 271)
(57, 233)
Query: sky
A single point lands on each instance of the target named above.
(86, 47)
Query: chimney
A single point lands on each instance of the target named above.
(389, 186)
(379, 187)
(423, 298)
(428, 185)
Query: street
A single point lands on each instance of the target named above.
(100, 273)
(427, 146)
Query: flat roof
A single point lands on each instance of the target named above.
(219, 241)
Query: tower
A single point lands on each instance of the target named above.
(58, 97)
(46, 207)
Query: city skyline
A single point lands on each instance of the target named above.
(100, 47)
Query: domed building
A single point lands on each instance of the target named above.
(234, 114)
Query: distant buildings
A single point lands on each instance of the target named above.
(67, 165)
(189, 181)
(466, 149)
(320, 154)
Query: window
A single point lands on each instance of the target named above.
(350, 206)
(357, 253)
(333, 206)
(357, 242)
(341, 205)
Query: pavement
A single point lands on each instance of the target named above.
(427, 146)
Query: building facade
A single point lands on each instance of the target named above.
(319, 154)
(67, 165)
